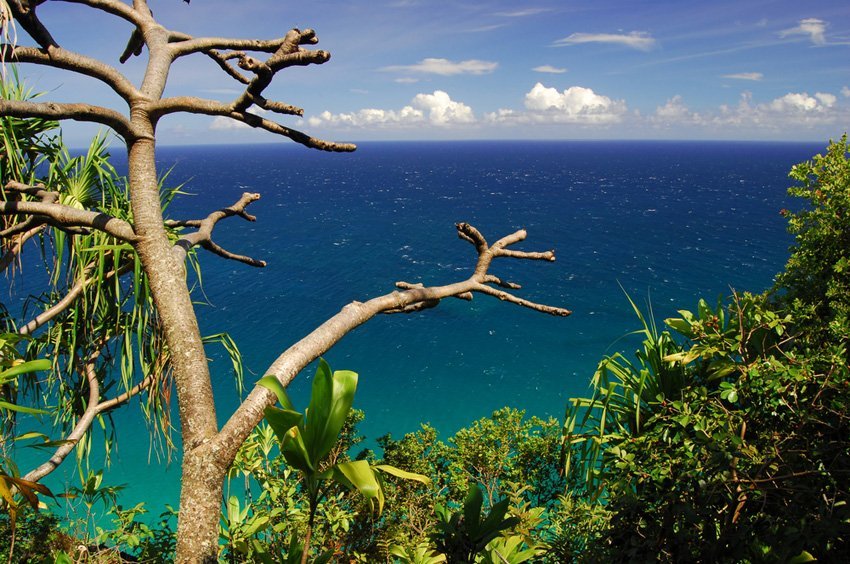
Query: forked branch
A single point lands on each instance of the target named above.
(203, 236)
(410, 298)
(94, 408)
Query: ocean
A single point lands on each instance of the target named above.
(664, 222)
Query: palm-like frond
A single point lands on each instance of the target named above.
(625, 395)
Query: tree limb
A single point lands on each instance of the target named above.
(413, 297)
(94, 407)
(75, 62)
(15, 250)
(76, 112)
(213, 108)
(203, 236)
(24, 12)
(64, 217)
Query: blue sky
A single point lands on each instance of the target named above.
(547, 69)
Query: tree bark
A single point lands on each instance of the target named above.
(202, 478)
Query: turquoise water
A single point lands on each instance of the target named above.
(670, 220)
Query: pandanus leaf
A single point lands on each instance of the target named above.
(24, 368)
(472, 509)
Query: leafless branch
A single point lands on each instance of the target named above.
(185, 45)
(15, 248)
(76, 112)
(94, 407)
(412, 298)
(67, 217)
(203, 236)
(214, 108)
(24, 12)
(221, 61)
(66, 60)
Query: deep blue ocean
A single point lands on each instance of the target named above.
(665, 221)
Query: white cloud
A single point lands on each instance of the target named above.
(812, 27)
(549, 69)
(791, 112)
(845, 91)
(640, 40)
(826, 99)
(802, 103)
(222, 123)
(442, 110)
(794, 109)
(675, 112)
(576, 104)
(406, 80)
(446, 67)
(436, 109)
(745, 76)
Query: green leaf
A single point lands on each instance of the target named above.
(20, 408)
(802, 557)
(359, 475)
(399, 473)
(472, 509)
(62, 558)
(330, 402)
(272, 383)
(25, 368)
(287, 427)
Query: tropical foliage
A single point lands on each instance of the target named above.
(747, 457)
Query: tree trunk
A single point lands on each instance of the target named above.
(201, 489)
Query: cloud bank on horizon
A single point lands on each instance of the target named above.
(410, 69)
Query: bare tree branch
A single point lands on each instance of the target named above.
(24, 12)
(203, 237)
(221, 61)
(507, 297)
(67, 60)
(413, 297)
(214, 108)
(186, 45)
(94, 407)
(76, 112)
(15, 249)
(64, 217)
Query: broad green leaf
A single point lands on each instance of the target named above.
(330, 402)
(472, 509)
(286, 425)
(233, 509)
(360, 475)
(282, 420)
(399, 473)
(272, 383)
